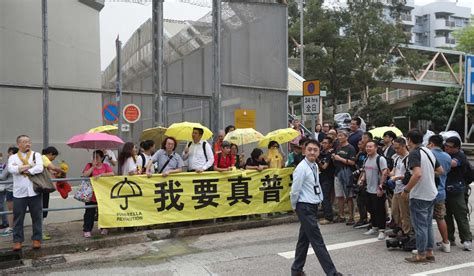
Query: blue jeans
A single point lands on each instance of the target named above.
(421, 212)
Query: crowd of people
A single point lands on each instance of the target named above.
(396, 185)
(143, 159)
(399, 185)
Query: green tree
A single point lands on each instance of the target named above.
(345, 48)
(377, 113)
(372, 36)
(437, 108)
(327, 53)
(465, 38)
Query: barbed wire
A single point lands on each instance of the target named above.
(200, 3)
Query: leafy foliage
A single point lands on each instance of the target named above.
(377, 112)
(465, 38)
(345, 47)
(437, 108)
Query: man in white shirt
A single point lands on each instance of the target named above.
(305, 196)
(143, 158)
(21, 165)
(198, 153)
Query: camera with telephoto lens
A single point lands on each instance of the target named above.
(406, 243)
(356, 188)
(356, 173)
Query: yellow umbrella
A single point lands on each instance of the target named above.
(109, 129)
(183, 131)
(157, 134)
(243, 136)
(281, 136)
(379, 131)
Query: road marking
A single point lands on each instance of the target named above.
(291, 254)
(444, 269)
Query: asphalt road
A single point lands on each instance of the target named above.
(260, 251)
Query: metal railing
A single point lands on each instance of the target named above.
(55, 209)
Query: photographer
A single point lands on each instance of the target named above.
(344, 160)
(457, 188)
(421, 189)
(361, 192)
(326, 177)
(374, 175)
(435, 143)
(400, 206)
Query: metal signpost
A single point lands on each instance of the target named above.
(311, 99)
(468, 93)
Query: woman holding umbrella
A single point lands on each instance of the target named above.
(94, 169)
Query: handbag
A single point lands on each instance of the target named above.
(85, 192)
(42, 181)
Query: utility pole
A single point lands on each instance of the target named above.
(301, 38)
(158, 59)
(44, 24)
(216, 64)
(118, 84)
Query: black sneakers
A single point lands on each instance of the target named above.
(361, 224)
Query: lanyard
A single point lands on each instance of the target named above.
(316, 187)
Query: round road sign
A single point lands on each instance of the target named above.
(131, 113)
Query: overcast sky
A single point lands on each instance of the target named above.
(124, 18)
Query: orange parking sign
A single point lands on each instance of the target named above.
(311, 88)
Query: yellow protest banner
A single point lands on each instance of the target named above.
(125, 201)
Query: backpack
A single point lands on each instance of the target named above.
(143, 160)
(468, 173)
(203, 148)
(390, 163)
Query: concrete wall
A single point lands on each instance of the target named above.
(74, 60)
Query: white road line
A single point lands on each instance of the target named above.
(444, 269)
(291, 254)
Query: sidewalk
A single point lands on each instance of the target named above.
(67, 237)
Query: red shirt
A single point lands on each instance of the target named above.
(224, 162)
(217, 146)
(104, 169)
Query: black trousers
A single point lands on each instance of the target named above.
(34, 204)
(327, 185)
(310, 233)
(89, 217)
(376, 208)
(362, 204)
(45, 204)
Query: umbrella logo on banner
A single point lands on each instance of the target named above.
(125, 189)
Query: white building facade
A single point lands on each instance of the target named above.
(435, 23)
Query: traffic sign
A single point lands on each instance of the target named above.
(110, 113)
(469, 81)
(131, 113)
(311, 88)
(311, 105)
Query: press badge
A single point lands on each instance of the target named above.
(317, 189)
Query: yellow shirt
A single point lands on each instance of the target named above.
(46, 161)
(274, 158)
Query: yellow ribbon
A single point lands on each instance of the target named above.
(24, 160)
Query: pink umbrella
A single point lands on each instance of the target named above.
(95, 141)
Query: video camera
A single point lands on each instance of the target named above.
(406, 243)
